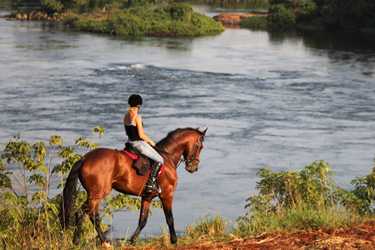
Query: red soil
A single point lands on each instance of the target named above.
(233, 19)
(352, 238)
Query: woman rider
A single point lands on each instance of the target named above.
(136, 137)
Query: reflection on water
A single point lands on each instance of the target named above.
(342, 40)
(267, 100)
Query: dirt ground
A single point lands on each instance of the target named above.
(234, 19)
(354, 238)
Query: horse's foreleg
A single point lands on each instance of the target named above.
(167, 207)
(145, 207)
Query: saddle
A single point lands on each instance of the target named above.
(141, 163)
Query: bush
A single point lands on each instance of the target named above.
(180, 11)
(255, 22)
(313, 187)
(292, 201)
(280, 18)
(307, 12)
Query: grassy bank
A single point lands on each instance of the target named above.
(287, 202)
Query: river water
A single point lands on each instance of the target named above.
(281, 101)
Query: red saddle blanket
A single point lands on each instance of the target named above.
(135, 157)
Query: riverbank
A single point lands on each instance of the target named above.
(362, 237)
(226, 19)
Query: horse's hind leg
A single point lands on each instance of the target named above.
(143, 215)
(80, 216)
(96, 221)
(91, 208)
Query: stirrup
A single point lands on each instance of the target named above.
(154, 188)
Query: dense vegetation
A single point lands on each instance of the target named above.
(291, 201)
(286, 202)
(125, 17)
(28, 210)
(329, 14)
(167, 20)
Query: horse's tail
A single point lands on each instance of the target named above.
(69, 195)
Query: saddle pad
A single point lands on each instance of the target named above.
(135, 157)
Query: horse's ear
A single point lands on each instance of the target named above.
(204, 132)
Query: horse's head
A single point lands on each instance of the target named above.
(192, 152)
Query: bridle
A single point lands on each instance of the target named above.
(193, 157)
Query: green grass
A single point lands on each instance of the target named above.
(298, 219)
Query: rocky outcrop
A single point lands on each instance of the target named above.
(234, 19)
(35, 15)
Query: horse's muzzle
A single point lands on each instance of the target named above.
(192, 168)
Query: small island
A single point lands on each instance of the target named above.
(172, 20)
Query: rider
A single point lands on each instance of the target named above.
(136, 137)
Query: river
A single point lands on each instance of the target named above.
(281, 101)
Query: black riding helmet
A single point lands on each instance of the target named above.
(135, 100)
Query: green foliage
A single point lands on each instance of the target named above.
(280, 18)
(255, 22)
(365, 191)
(172, 20)
(313, 187)
(61, 5)
(180, 11)
(307, 11)
(28, 215)
(292, 201)
(52, 5)
(346, 14)
(278, 191)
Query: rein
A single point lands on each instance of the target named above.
(188, 162)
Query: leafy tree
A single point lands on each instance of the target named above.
(280, 18)
(61, 5)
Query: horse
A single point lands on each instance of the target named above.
(103, 169)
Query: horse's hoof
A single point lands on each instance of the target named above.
(132, 242)
(106, 245)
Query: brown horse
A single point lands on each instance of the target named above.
(102, 169)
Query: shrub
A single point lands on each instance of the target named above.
(280, 18)
(292, 201)
(307, 12)
(313, 187)
(180, 11)
(255, 22)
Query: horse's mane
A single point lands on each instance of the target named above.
(170, 137)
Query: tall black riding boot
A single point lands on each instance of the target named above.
(152, 184)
